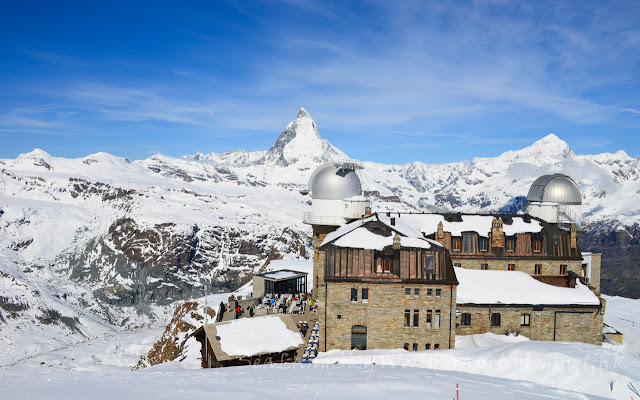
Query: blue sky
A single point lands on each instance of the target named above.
(393, 83)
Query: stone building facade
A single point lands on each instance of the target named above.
(387, 315)
(400, 294)
(543, 322)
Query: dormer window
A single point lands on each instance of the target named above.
(511, 245)
(456, 244)
(483, 244)
(536, 246)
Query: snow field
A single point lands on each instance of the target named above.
(281, 381)
(569, 366)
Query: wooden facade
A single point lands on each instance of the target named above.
(391, 264)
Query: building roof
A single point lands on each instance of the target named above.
(478, 223)
(556, 188)
(356, 235)
(282, 274)
(418, 225)
(517, 288)
(248, 337)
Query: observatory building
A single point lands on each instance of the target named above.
(415, 280)
(336, 193)
(556, 199)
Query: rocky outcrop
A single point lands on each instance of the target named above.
(173, 343)
(620, 248)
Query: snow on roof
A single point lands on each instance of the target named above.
(362, 238)
(354, 235)
(302, 265)
(346, 229)
(428, 224)
(282, 274)
(257, 335)
(515, 287)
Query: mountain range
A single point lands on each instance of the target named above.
(101, 243)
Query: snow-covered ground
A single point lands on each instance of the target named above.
(624, 315)
(569, 366)
(283, 381)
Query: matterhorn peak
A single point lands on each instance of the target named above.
(301, 141)
(302, 113)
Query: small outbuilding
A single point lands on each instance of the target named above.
(249, 341)
(284, 281)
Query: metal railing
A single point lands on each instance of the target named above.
(309, 218)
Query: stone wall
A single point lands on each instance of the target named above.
(559, 323)
(549, 267)
(384, 315)
(596, 260)
(319, 288)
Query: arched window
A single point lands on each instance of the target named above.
(358, 337)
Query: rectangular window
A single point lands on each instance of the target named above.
(511, 267)
(427, 262)
(436, 320)
(495, 319)
(429, 292)
(365, 295)
(465, 319)
(386, 264)
(537, 269)
(415, 347)
(416, 292)
(525, 319)
(456, 244)
(354, 294)
(407, 292)
(438, 292)
(483, 244)
(379, 265)
(563, 269)
(429, 318)
(511, 245)
(536, 246)
(484, 267)
(427, 346)
(436, 346)
(416, 315)
(407, 317)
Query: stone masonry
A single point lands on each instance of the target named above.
(549, 267)
(559, 323)
(384, 315)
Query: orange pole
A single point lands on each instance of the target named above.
(457, 392)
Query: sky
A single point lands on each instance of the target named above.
(392, 82)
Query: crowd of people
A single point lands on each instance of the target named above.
(270, 304)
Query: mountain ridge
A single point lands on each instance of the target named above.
(126, 240)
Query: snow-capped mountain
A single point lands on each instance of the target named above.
(92, 244)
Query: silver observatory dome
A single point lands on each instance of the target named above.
(335, 181)
(556, 188)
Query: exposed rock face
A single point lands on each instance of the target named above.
(620, 250)
(175, 339)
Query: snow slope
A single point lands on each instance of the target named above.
(568, 366)
(283, 381)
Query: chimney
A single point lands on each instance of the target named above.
(393, 222)
(440, 233)
(396, 242)
(574, 236)
(497, 232)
